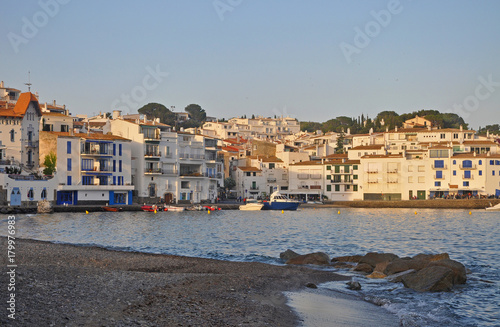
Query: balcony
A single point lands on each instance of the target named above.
(439, 167)
(302, 176)
(198, 188)
(197, 145)
(152, 154)
(169, 171)
(31, 144)
(468, 178)
(393, 171)
(97, 152)
(216, 175)
(191, 156)
(372, 171)
(372, 181)
(191, 174)
(315, 187)
(315, 176)
(394, 181)
(468, 167)
(271, 180)
(253, 188)
(152, 171)
(154, 136)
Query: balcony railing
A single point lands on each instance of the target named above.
(152, 154)
(394, 181)
(372, 171)
(440, 167)
(315, 176)
(372, 181)
(254, 187)
(216, 175)
(97, 152)
(468, 178)
(393, 171)
(32, 144)
(152, 171)
(169, 171)
(197, 145)
(303, 176)
(315, 187)
(271, 180)
(191, 174)
(468, 167)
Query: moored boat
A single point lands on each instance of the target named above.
(279, 201)
(494, 208)
(149, 208)
(173, 208)
(251, 205)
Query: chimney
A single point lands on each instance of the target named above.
(54, 103)
(387, 129)
(116, 114)
(396, 129)
(1, 85)
(461, 128)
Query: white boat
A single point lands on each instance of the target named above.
(174, 209)
(251, 205)
(494, 208)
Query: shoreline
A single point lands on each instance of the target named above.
(65, 284)
(471, 204)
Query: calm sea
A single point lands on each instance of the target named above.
(473, 239)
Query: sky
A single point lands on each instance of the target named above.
(311, 60)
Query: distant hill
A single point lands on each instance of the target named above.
(385, 119)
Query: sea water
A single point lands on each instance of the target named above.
(469, 237)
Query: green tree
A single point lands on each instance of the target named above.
(157, 110)
(196, 113)
(340, 143)
(50, 163)
(229, 183)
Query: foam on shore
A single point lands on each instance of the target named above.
(321, 307)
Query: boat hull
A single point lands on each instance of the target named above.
(174, 209)
(280, 205)
(111, 209)
(251, 207)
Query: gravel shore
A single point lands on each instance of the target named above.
(66, 285)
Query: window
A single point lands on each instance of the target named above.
(497, 162)
(492, 162)
(421, 179)
(493, 173)
(439, 174)
(355, 188)
(328, 176)
(354, 176)
(480, 162)
(467, 174)
(44, 194)
(410, 168)
(328, 167)
(31, 194)
(120, 166)
(454, 173)
(88, 180)
(355, 167)
(114, 149)
(248, 174)
(114, 165)
(346, 169)
(337, 169)
(328, 188)
(466, 183)
(438, 163)
(454, 162)
(410, 179)
(438, 184)
(480, 173)
(12, 135)
(337, 188)
(467, 164)
(68, 180)
(114, 180)
(69, 164)
(443, 136)
(254, 173)
(68, 147)
(438, 153)
(455, 135)
(119, 149)
(271, 165)
(87, 164)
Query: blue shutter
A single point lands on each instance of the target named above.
(69, 164)
(119, 149)
(69, 180)
(68, 150)
(114, 149)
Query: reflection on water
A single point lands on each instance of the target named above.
(261, 236)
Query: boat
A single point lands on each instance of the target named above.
(173, 208)
(211, 208)
(112, 209)
(279, 201)
(148, 208)
(251, 205)
(494, 208)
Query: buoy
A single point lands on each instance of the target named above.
(338, 212)
(470, 212)
(208, 211)
(282, 211)
(218, 209)
(86, 212)
(155, 210)
(415, 212)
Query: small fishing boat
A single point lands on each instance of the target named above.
(251, 205)
(174, 209)
(149, 208)
(211, 208)
(111, 209)
(279, 201)
(494, 208)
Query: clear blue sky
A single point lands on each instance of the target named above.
(262, 57)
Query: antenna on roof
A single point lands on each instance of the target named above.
(29, 81)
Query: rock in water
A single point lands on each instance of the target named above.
(317, 258)
(376, 275)
(355, 286)
(348, 258)
(459, 272)
(374, 258)
(433, 279)
(288, 254)
(44, 206)
(364, 267)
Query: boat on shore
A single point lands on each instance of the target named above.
(111, 209)
(494, 208)
(149, 208)
(279, 201)
(251, 205)
(173, 208)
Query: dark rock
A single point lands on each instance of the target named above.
(348, 258)
(288, 254)
(376, 275)
(399, 265)
(342, 265)
(355, 286)
(397, 278)
(364, 267)
(459, 273)
(431, 257)
(317, 258)
(311, 285)
(373, 258)
(430, 279)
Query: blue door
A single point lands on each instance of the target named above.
(498, 193)
(15, 197)
(65, 197)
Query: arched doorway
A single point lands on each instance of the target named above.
(169, 198)
(152, 190)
